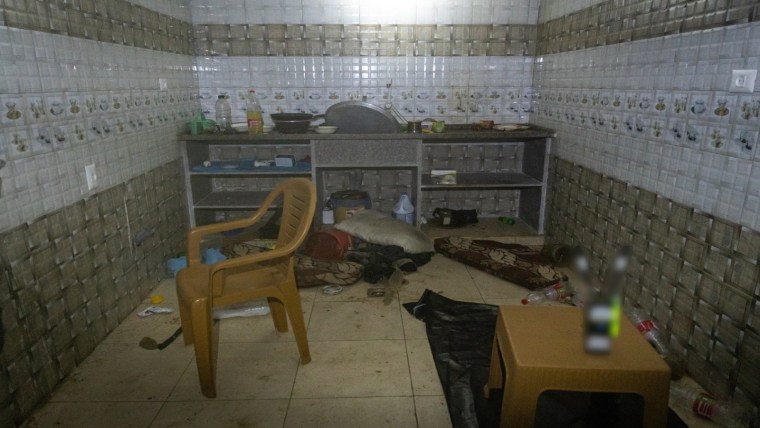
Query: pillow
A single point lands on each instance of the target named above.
(379, 228)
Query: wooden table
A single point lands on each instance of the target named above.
(542, 350)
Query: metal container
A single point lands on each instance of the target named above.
(360, 117)
(293, 123)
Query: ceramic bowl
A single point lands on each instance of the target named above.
(326, 129)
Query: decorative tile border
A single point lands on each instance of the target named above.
(613, 22)
(696, 274)
(75, 273)
(112, 21)
(364, 40)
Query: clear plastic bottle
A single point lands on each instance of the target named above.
(223, 113)
(404, 210)
(649, 329)
(557, 291)
(706, 406)
(253, 114)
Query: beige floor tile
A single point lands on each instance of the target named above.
(93, 415)
(245, 371)
(125, 372)
(222, 413)
(351, 293)
(355, 321)
(156, 326)
(261, 328)
(444, 276)
(432, 412)
(413, 328)
(493, 287)
(354, 369)
(425, 379)
(370, 412)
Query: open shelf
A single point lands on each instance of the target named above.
(231, 200)
(482, 180)
(489, 228)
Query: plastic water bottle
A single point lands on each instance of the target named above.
(223, 113)
(707, 406)
(649, 329)
(404, 210)
(253, 114)
(554, 292)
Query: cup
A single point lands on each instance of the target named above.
(438, 126)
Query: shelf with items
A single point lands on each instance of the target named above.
(497, 178)
(225, 175)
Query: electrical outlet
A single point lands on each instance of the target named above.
(92, 177)
(162, 84)
(742, 81)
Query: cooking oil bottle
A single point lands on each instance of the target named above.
(253, 114)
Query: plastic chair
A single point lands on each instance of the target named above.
(201, 288)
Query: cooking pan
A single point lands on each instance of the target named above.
(293, 123)
(361, 117)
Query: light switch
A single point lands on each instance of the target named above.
(742, 81)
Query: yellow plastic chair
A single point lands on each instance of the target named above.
(201, 288)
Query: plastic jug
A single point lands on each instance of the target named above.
(404, 210)
(223, 113)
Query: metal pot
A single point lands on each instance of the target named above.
(293, 123)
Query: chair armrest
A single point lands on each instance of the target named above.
(195, 234)
(219, 268)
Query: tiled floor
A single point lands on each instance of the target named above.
(371, 365)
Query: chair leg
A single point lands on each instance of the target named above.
(186, 321)
(293, 306)
(278, 314)
(206, 345)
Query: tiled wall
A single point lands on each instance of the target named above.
(653, 151)
(609, 22)
(69, 277)
(657, 113)
(454, 89)
(695, 273)
(458, 61)
(400, 12)
(140, 24)
(80, 85)
(68, 102)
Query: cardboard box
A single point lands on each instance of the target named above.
(443, 176)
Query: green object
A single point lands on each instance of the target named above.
(199, 123)
(507, 220)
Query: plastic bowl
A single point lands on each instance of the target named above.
(326, 129)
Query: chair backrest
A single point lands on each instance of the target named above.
(299, 202)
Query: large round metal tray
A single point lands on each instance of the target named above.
(360, 117)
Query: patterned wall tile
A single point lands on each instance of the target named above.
(64, 306)
(695, 273)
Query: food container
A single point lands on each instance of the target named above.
(293, 123)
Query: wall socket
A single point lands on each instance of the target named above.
(742, 81)
(163, 84)
(92, 177)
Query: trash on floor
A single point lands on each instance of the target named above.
(245, 309)
(150, 310)
(208, 256)
(150, 343)
(156, 299)
(332, 289)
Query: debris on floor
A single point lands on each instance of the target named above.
(150, 310)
